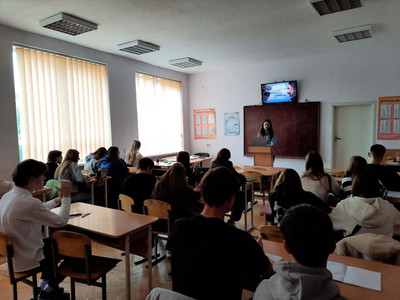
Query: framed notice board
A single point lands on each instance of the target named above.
(296, 126)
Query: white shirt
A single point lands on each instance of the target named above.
(22, 217)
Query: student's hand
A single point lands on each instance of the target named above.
(65, 189)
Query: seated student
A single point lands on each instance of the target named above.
(54, 158)
(288, 192)
(139, 186)
(357, 165)
(22, 217)
(174, 189)
(210, 259)
(69, 170)
(365, 211)
(93, 160)
(183, 157)
(133, 155)
(389, 178)
(222, 160)
(316, 181)
(309, 238)
(117, 169)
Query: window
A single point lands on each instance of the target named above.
(62, 103)
(160, 115)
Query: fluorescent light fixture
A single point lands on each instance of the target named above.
(353, 34)
(68, 24)
(325, 7)
(138, 47)
(186, 62)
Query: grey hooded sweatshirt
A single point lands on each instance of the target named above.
(294, 281)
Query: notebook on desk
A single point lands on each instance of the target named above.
(259, 142)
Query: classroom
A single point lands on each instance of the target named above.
(240, 45)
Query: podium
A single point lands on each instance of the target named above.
(263, 156)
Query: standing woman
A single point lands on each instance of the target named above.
(267, 132)
(54, 158)
(69, 170)
(133, 155)
(315, 180)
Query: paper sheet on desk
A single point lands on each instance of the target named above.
(356, 276)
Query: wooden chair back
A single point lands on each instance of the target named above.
(5, 245)
(157, 208)
(254, 175)
(7, 270)
(72, 244)
(272, 233)
(126, 203)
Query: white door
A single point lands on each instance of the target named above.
(353, 132)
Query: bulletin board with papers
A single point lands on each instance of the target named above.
(389, 118)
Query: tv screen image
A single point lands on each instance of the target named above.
(278, 92)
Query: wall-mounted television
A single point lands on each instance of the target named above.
(278, 92)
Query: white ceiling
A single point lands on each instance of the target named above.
(221, 33)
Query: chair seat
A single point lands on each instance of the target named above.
(75, 268)
(17, 275)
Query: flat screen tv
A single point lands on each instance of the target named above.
(279, 92)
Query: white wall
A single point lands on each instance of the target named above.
(357, 76)
(121, 74)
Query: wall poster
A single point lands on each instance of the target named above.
(231, 123)
(389, 118)
(204, 123)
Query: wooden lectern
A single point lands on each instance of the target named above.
(263, 156)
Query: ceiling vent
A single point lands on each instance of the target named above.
(138, 47)
(353, 34)
(68, 24)
(325, 7)
(186, 62)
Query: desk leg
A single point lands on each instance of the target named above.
(106, 192)
(244, 189)
(92, 191)
(127, 268)
(252, 207)
(149, 260)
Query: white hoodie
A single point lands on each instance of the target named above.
(374, 215)
(295, 281)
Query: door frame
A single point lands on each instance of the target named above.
(372, 104)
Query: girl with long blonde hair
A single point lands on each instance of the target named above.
(133, 155)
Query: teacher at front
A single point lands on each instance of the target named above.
(267, 132)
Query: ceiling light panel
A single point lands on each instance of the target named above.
(353, 34)
(325, 7)
(186, 62)
(68, 24)
(138, 47)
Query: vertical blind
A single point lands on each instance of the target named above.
(160, 114)
(62, 103)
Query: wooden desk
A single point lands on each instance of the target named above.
(204, 162)
(390, 274)
(117, 229)
(271, 172)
